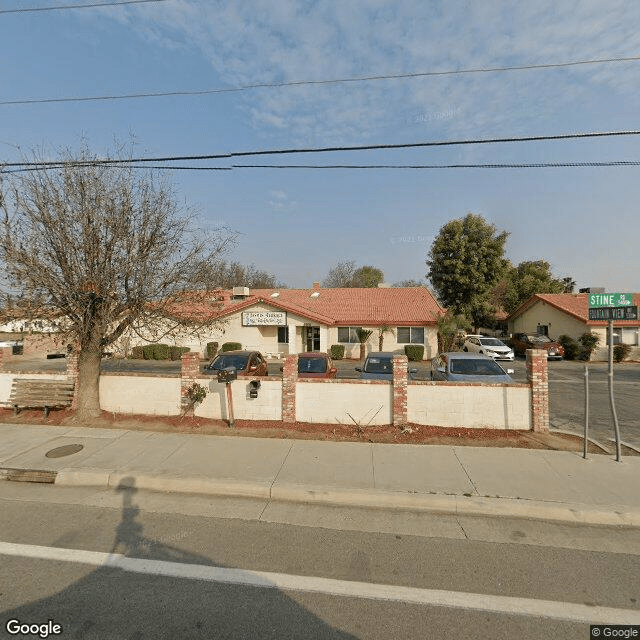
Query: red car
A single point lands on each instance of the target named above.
(524, 341)
(315, 365)
(246, 363)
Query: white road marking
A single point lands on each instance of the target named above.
(568, 611)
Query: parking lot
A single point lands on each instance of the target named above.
(566, 389)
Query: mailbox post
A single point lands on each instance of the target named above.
(227, 376)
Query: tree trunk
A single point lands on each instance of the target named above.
(89, 383)
(363, 350)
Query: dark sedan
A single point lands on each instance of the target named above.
(246, 363)
(523, 341)
(315, 365)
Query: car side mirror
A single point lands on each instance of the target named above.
(413, 371)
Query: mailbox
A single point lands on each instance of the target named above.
(227, 375)
(254, 385)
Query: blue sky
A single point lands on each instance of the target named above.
(297, 223)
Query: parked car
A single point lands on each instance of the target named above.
(468, 367)
(524, 341)
(246, 363)
(315, 365)
(493, 347)
(378, 365)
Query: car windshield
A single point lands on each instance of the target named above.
(222, 362)
(491, 342)
(312, 365)
(540, 338)
(378, 365)
(475, 367)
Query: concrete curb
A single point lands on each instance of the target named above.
(461, 505)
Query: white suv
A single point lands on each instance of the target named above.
(492, 347)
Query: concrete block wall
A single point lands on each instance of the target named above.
(267, 406)
(448, 404)
(138, 394)
(331, 401)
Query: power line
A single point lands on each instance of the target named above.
(298, 83)
(408, 145)
(78, 6)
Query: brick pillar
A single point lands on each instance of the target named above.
(400, 375)
(188, 375)
(538, 377)
(72, 375)
(289, 380)
(6, 354)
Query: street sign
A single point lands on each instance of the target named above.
(613, 313)
(599, 300)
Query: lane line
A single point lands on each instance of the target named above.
(567, 611)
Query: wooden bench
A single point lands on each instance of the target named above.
(30, 393)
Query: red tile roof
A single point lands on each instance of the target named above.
(573, 304)
(409, 306)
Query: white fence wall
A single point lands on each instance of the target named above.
(474, 406)
(333, 401)
(267, 406)
(140, 395)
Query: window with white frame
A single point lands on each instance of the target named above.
(410, 335)
(626, 335)
(348, 334)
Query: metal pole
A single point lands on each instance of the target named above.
(232, 422)
(586, 410)
(611, 402)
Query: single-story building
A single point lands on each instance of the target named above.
(556, 314)
(287, 321)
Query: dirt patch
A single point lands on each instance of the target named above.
(409, 434)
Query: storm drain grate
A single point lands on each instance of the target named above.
(66, 450)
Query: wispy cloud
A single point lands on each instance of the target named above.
(287, 40)
(279, 202)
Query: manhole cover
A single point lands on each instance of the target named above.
(66, 450)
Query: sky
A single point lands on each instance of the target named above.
(297, 223)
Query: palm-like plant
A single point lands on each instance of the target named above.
(363, 336)
(382, 329)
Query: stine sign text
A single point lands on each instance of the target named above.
(599, 300)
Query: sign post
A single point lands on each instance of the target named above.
(610, 307)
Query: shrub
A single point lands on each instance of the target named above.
(571, 347)
(336, 351)
(136, 353)
(621, 351)
(589, 342)
(147, 351)
(161, 352)
(231, 346)
(414, 352)
(212, 349)
(175, 353)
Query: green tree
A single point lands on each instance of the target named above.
(466, 261)
(367, 277)
(363, 337)
(526, 279)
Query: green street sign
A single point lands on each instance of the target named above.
(599, 300)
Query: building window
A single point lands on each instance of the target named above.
(626, 335)
(348, 334)
(283, 334)
(410, 335)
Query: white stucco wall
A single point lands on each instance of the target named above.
(541, 313)
(445, 404)
(332, 401)
(140, 395)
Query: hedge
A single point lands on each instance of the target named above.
(336, 351)
(212, 349)
(414, 352)
(231, 346)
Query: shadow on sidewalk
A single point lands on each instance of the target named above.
(112, 603)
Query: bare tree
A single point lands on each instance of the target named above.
(108, 248)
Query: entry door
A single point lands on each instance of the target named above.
(313, 338)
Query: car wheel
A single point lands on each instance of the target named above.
(465, 349)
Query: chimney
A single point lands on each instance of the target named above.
(316, 285)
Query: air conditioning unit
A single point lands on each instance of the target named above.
(240, 291)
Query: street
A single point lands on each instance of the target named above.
(300, 571)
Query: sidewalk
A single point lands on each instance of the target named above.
(547, 485)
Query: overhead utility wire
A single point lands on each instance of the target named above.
(78, 6)
(298, 83)
(370, 147)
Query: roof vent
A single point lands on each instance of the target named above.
(240, 292)
(275, 295)
(384, 285)
(315, 294)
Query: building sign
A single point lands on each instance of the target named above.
(613, 313)
(599, 300)
(264, 318)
